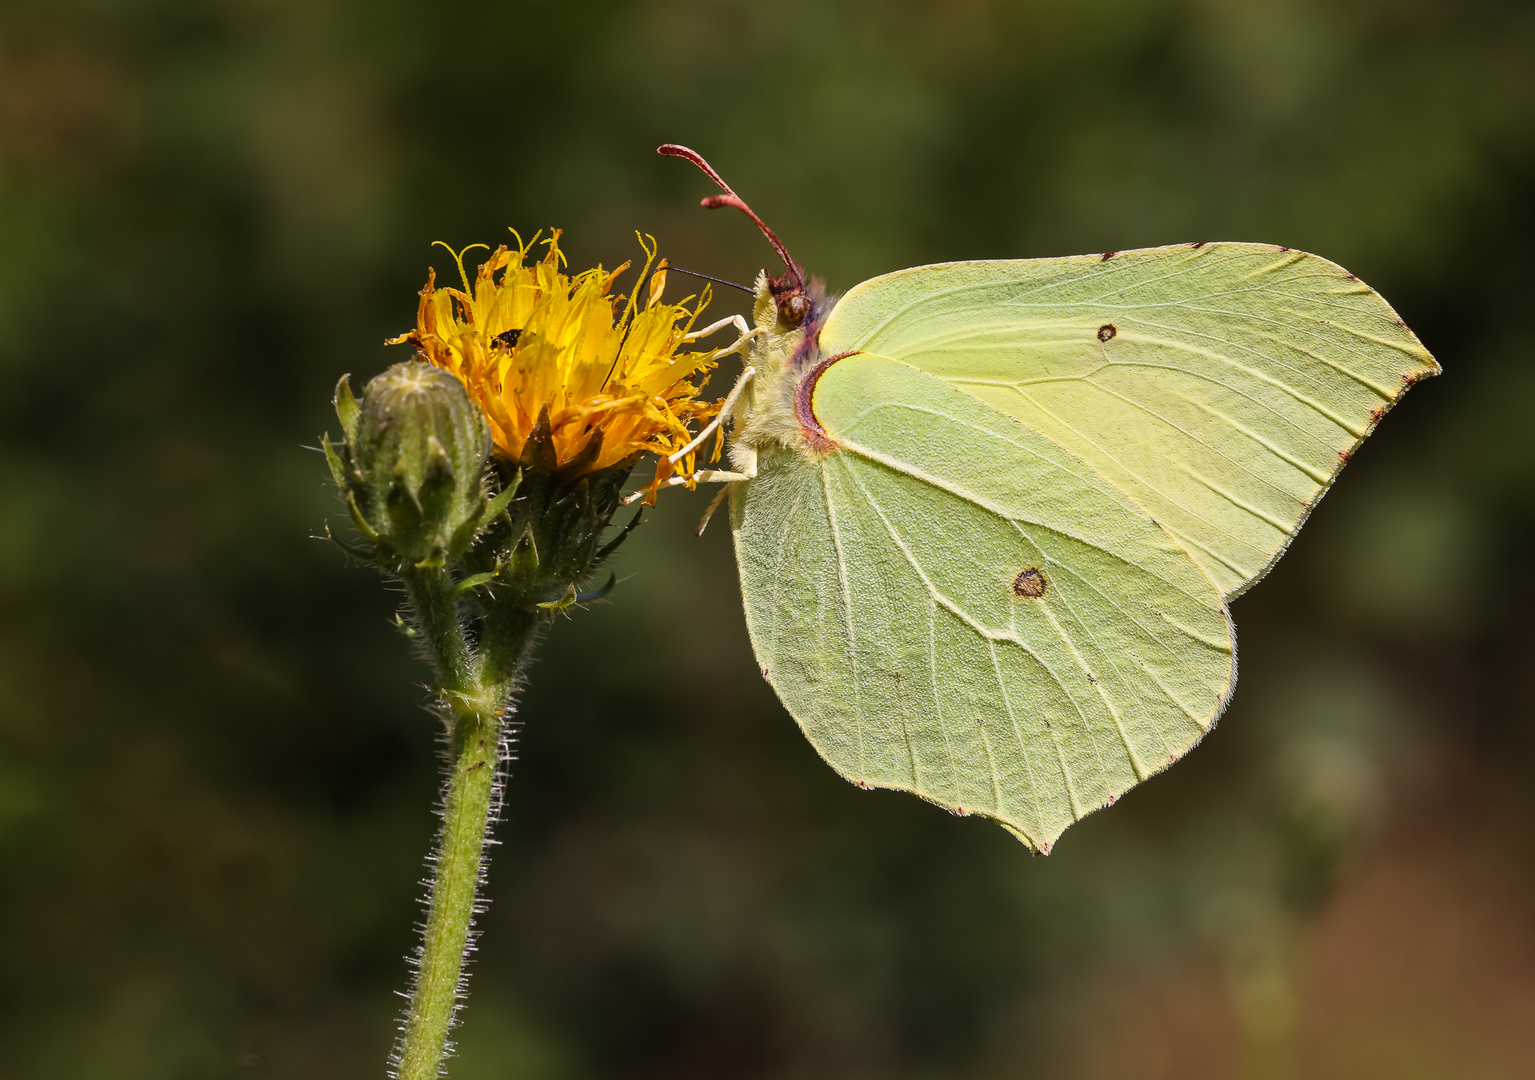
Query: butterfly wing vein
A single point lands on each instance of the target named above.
(879, 586)
(1220, 387)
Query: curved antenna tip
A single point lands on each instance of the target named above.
(730, 198)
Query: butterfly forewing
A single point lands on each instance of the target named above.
(1221, 386)
(952, 604)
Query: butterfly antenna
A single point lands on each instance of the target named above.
(730, 198)
(709, 277)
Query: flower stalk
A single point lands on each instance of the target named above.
(540, 547)
(477, 722)
(467, 809)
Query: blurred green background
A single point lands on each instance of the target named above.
(216, 777)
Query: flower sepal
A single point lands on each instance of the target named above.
(549, 539)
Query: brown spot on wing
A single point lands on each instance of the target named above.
(1030, 584)
(1107, 331)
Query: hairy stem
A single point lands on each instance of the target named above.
(478, 705)
(442, 629)
(470, 794)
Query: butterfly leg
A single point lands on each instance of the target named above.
(747, 471)
(709, 513)
(705, 476)
(748, 335)
(735, 320)
(720, 417)
(711, 476)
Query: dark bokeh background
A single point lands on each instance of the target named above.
(215, 774)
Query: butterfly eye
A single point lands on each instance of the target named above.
(792, 309)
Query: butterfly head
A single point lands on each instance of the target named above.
(792, 296)
(786, 310)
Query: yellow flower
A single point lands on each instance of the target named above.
(526, 338)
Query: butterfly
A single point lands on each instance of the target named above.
(989, 515)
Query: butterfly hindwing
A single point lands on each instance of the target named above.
(952, 604)
(1220, 386)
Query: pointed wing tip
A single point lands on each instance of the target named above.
(1428, 370)
(1036, 847)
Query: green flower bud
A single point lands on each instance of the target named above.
(413, 464)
